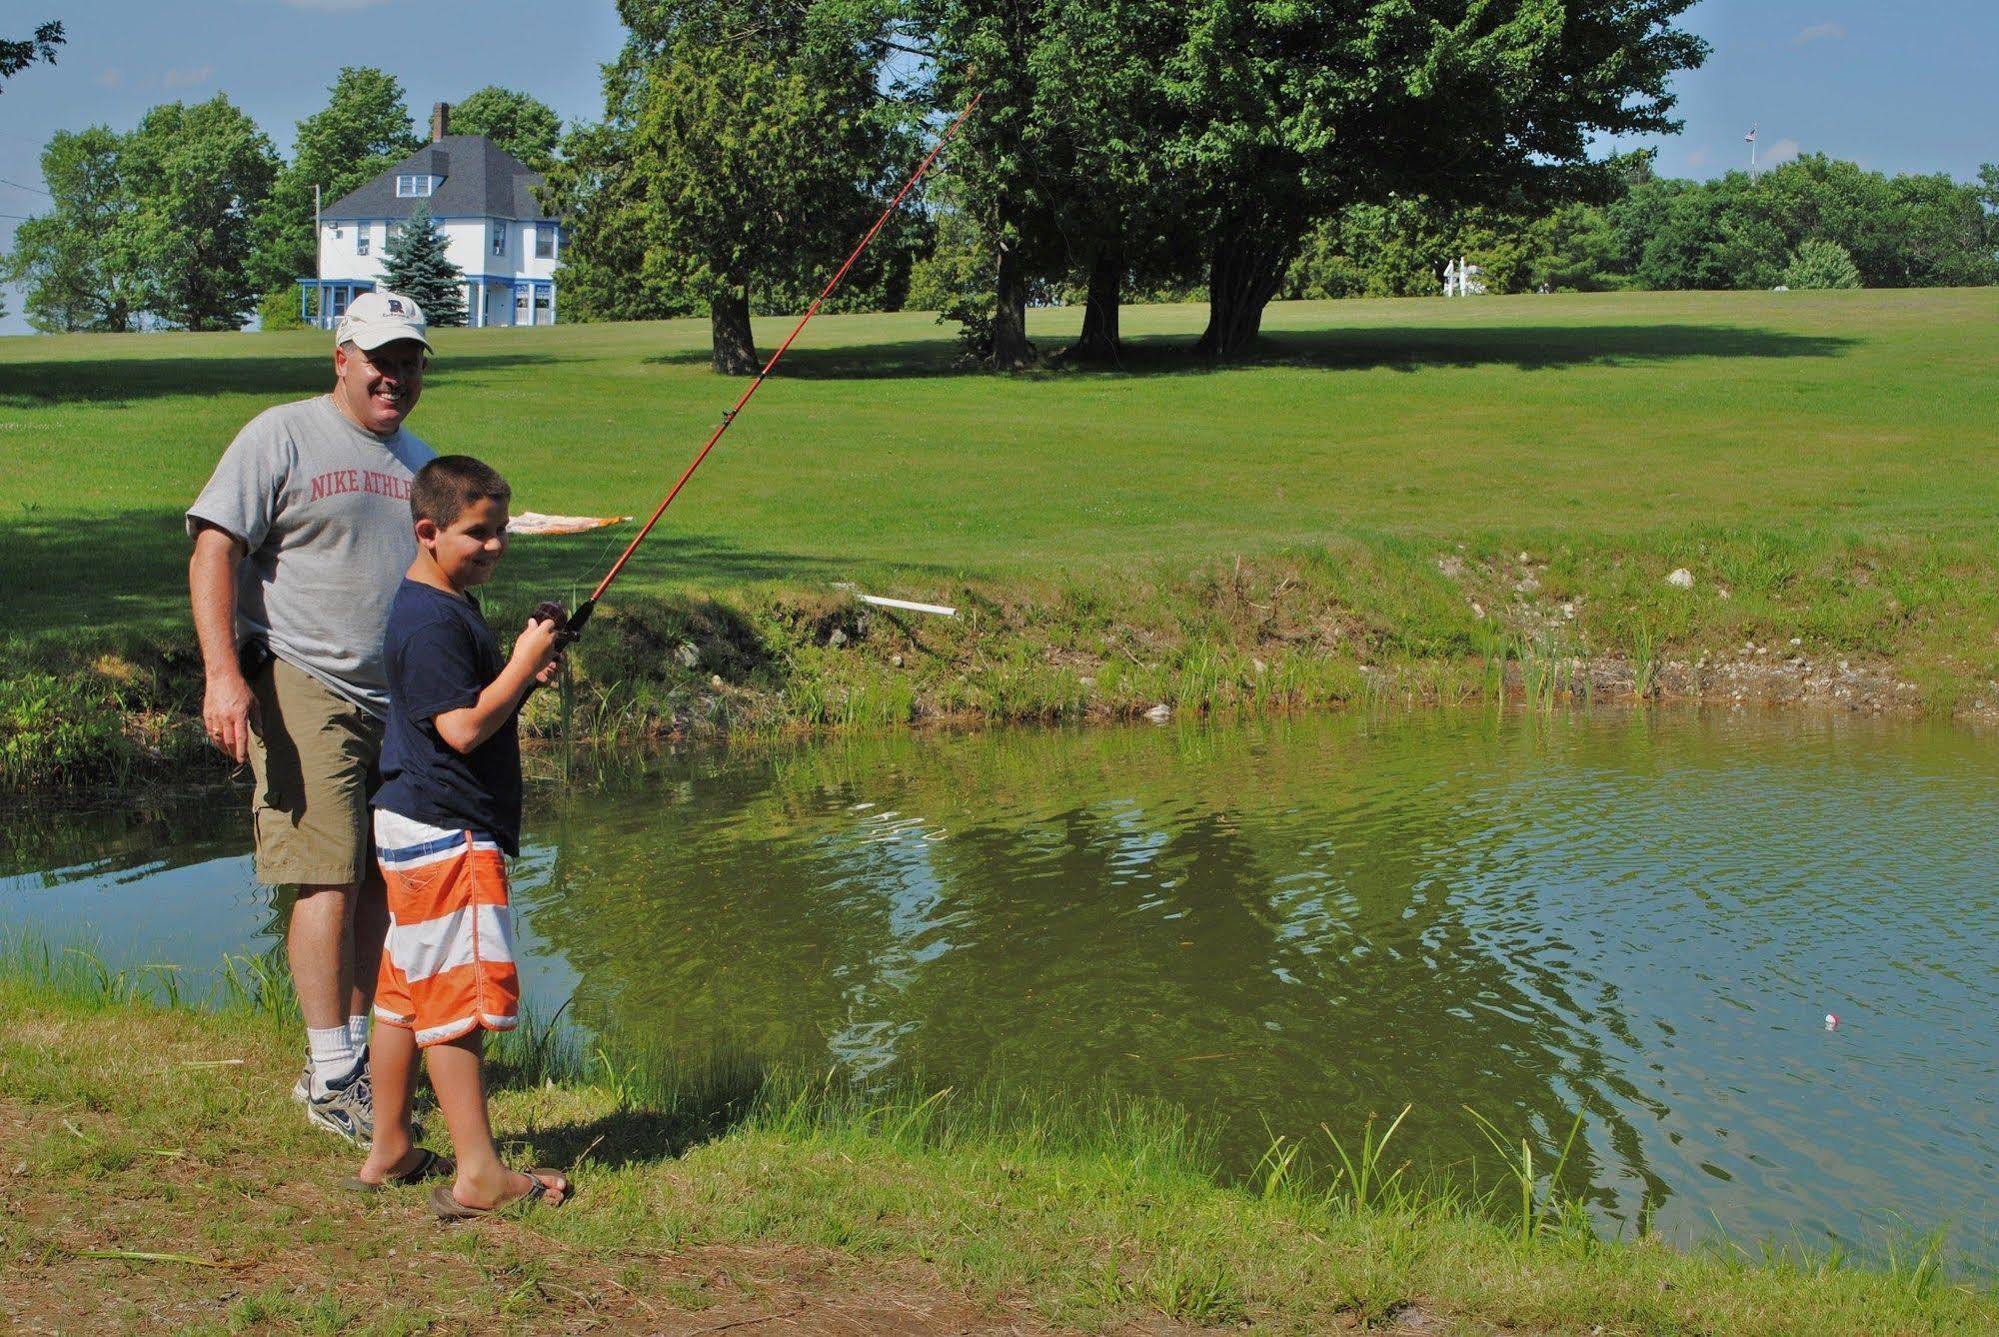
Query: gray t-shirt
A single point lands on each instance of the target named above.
(323, 507)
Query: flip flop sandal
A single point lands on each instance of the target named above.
(429, 1165)
(449, 1208)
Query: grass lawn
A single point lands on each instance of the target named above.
(157, 1177)
(1818, 461)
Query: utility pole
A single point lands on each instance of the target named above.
(318, 263)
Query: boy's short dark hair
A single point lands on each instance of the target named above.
(448, 484)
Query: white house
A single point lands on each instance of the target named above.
(495, 231)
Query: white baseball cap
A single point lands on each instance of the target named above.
(380, 317)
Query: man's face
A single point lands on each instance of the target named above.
(378, 388)
(470, 546)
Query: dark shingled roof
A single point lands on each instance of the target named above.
(480, 180)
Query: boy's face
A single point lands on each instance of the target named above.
(467, 549)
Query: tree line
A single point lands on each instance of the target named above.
(191, 220)
(1119, 143)
(1814, 222)
(1234, 150)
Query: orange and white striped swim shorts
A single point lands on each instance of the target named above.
(448, 964)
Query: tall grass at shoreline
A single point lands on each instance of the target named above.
(1090, 1213)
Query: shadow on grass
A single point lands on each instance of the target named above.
(1529, 348)
(72, 578)
(112, 381)
(674, 1109)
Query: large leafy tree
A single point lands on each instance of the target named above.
(415, 264)
(759, 142)
(76, 261)
(1290, 112)
(527, 128)
(18, 54)
(196, 176)
(364, 128)
(990, 48)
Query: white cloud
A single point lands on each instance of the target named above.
(1820, 32)
(1780, 152)
(110, 79)
(187, 76)
(1698, 158)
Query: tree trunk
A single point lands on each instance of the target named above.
(1011, 351)
(729, 325)
(1099, 339)
(1244, 272)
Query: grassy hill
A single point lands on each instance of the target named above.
(1423, 483)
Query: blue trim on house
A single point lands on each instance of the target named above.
(334, 296)
(330, 297)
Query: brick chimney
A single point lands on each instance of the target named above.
(440, 120)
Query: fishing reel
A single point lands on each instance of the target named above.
(568, 625)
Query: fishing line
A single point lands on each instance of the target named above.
(573, 623)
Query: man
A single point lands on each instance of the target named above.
(300, 540)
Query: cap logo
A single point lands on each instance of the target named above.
(395, 307)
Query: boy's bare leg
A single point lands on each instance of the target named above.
(318, 946)
(395, 1085)
(457, 1074)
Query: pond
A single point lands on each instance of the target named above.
(1644, 917)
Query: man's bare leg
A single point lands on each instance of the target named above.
(370, 929)
(320, 947)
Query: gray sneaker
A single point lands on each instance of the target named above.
(348, 1109)
(302, 1088)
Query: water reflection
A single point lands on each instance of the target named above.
(1643, 918)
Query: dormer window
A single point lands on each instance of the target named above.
(416, 186)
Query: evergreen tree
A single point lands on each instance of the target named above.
(415, 265)
(1818, 263)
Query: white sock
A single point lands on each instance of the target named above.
(357, 1032)
(334, 1057)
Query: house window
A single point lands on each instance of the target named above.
(361, 235)
(499, 239)
(544, 241)
(419, 186)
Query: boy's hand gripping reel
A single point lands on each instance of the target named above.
(568, 625)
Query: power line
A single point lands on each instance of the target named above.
(19, 186)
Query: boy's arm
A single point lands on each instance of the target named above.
(467, 727)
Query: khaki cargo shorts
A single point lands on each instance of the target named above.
(316, 764)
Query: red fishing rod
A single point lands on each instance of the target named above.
(574, 622)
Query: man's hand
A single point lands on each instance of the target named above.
(229, 713)
(228, 709)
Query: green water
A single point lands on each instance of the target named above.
(1642, 918)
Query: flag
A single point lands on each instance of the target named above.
(1751, 136)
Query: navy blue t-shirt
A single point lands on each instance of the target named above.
(439, 655)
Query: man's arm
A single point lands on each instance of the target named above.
(228, 707)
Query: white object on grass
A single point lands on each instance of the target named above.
(1681, 578)
(906, 605)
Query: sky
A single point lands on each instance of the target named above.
(1898, 88)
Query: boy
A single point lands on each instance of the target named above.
(449, 804)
